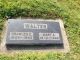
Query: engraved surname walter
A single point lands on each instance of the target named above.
(21, 36)
(34, 26)
(49, 36)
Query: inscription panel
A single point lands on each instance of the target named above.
(21, 36)
(49, 36)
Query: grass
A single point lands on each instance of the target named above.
(68, 10)
(1, 27)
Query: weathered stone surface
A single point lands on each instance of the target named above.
(34, 32)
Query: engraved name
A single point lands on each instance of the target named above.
(35, 26)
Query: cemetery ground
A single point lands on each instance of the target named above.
(67, 10)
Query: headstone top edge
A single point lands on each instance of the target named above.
(53, 20)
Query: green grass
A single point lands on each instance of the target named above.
(68, 10)
(1, 27)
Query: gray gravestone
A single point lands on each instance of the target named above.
(33, 32)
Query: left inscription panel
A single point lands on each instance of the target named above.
(21, 36)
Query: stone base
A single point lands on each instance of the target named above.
(64, 47)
